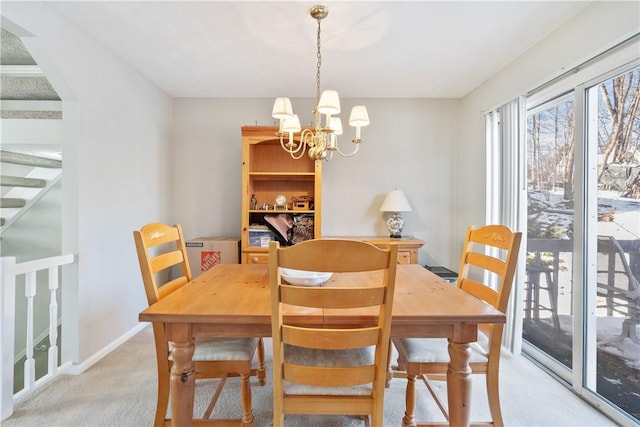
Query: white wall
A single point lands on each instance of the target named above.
(115, 173)
(408, 145)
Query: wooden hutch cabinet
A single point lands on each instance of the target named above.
(267, 172)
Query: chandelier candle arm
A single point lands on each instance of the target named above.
(320, 142)
(290, 126)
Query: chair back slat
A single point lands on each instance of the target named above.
(498, 236)
(166, 260)
(322, 255)
(481, 291)
(332, 297)
(330, 339)
(171, 286)
(329, 377)
(156, 233)
(486, 262)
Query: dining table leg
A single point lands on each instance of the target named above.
(459, 383)
(183, 377)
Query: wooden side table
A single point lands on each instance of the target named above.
(407, 246)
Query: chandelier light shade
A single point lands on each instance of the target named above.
(395, 202)
(321, 141)
(336, 125)
(329, 103)
(282, 108)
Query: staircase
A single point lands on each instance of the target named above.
(25, 179)
(31, 113)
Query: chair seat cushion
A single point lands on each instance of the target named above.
(435, 350)
(328, 358)
(212, 349)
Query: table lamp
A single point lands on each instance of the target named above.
(395, 202)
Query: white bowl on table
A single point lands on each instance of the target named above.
(304, 278)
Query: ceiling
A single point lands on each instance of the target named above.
(422, 49)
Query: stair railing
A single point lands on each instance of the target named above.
(9, 271)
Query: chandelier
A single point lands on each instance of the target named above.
(321, 141)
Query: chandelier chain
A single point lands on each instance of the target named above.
(319, 57)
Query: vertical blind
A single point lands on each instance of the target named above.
(506, 186)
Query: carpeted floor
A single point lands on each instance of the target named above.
(120, 390)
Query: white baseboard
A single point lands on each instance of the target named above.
(24, 394)
(76, 369)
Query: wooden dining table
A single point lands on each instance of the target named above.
(233, 300)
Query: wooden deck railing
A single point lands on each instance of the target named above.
(9, 271)
(553, 248)
(545, 259)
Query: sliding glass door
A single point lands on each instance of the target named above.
(548, 313)
(612, 299)
(581, 299)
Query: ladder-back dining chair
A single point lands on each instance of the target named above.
(165, 268)
(332, 370)
(487, 268)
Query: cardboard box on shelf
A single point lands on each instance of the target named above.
(206, 252)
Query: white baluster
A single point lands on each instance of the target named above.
(30, 363)
(53, 320)
(7, 334)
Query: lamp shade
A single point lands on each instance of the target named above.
(282, 109)
(395, 202)
(329, 102)
(359, 116)
(292, 124)
(336, 125)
